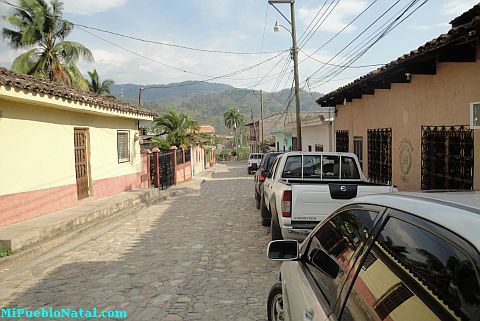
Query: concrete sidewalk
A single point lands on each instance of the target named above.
(35, 236)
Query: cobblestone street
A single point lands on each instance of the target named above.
(197, 256)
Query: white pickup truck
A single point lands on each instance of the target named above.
(305, 187)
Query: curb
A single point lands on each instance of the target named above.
(139, 203)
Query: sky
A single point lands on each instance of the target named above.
(246, 27)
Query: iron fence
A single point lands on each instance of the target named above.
(341, 140)
(179, 156)
(380, 155)
(187, 155)
(165, 163)
(447, 157)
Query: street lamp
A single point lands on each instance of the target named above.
(276, 28)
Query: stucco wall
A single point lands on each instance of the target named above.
(37, 147)
(316, 134)
(441, 99)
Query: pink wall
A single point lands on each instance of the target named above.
(429, 100)
(22, 206)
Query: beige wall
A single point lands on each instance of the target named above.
(441, 99)
(36, 146)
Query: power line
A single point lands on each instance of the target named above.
(375, 38)
(319, 25)
(174, 45)
(314, 18)
(263, 38)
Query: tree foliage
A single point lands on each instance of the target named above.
(97, 86)
(37, 25)
(181, 130)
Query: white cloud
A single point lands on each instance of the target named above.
(337, 19)
(457, 7)
(89, 7)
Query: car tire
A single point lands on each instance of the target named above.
(257, 202)
(275, 311)
(275, 229)
(264, 212)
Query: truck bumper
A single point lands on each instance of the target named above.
(290, 233)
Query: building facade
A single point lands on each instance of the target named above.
(411, 121)
(60, 146)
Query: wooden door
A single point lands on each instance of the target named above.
(81, 162)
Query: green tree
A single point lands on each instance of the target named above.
(39, 27)
(235, 120)
(181, 129)
(97, 86)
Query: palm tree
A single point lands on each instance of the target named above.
(95, 86)
(233, 119)
(38, 26)
(181, 129)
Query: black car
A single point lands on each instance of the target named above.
(266, 164)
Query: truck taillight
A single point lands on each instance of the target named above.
(261, 178)
(287, 204)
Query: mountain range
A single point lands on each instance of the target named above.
(207, 102)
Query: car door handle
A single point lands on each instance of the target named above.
(308, 315)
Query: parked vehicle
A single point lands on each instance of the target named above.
(265, 165)
(304, 187)
(253, 162)
(399, 257)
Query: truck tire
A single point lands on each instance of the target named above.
(275, 310)
(257, 200)
(264, 213)
(275, 229)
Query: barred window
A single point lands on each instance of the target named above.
(123, 146)
(341, 137)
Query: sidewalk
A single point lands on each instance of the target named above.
(35, 236)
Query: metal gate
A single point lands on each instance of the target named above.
(380, 155)
(80, 140)
(447, 157)
(166, 167)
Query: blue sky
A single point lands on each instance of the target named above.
(239, 26)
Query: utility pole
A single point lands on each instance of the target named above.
(295, 62)
(140, 96)
(261, 114)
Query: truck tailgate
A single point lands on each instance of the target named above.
(311, 203)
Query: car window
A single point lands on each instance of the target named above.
(274, 167)
(270, 161)
(340, 239)
(312, 166)
(293, 167)
(349, 168)
(413, 274)
(331, 167)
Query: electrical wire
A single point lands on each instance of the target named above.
(174, 45)
(310, 24)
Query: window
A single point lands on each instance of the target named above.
(331, 167)
(318, 148)
(416, 275)
(309, 148)
(358, 149)
(380, 155)
(341, 138)
(274, 167)
(312, 166)
(349, 169)
(293, 167)
(447, 157)
(340, 238)
(475, 115)
(123, 146)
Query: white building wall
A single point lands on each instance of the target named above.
(316, 134)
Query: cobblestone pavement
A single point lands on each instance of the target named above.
(197, 256)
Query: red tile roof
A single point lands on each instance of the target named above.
(13, 79)
(465, 28)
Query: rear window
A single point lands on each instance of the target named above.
(317, 166)
(256, 156)
(268, 161)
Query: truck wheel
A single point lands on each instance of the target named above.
(275, 311)
(264, 212)
(275, 229)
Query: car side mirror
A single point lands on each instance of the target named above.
(283, 250)
(324, 262)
